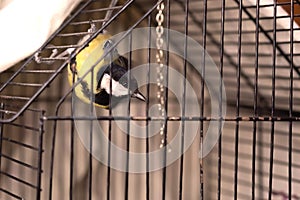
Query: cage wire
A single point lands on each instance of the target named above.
(45, 143)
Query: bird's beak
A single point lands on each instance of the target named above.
(139, 96)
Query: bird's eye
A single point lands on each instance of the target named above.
(107, 44)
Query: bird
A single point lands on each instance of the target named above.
(110, 77)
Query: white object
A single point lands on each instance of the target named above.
(26, 25)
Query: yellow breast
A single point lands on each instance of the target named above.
(85, 60)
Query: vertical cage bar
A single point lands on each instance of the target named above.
(1, 131)
(221, 96)
(51, 173)
(255, 99)
(238, 98)
(71, 161)
(128, 121)
(260, 163)
(273, 101)
(108, 181)
(204, 27)
(186, 23)
(164, 175)
(72, 146)
(1, 139)
(290, 149)
(40, 155)
(147, 113)
(90, 180)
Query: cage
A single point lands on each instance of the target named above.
(220, 120)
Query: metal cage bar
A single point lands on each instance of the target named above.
(255, 155)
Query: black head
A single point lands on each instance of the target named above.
(120, 82)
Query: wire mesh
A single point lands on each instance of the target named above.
(255, 46)
(21, 170)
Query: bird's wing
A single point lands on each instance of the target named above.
(102, 99)
(123, 62)
(87, 59)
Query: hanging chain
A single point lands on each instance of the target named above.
(160, 67)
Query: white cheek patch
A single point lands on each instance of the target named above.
(117, 88)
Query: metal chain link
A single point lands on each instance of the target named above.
(160, 75)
